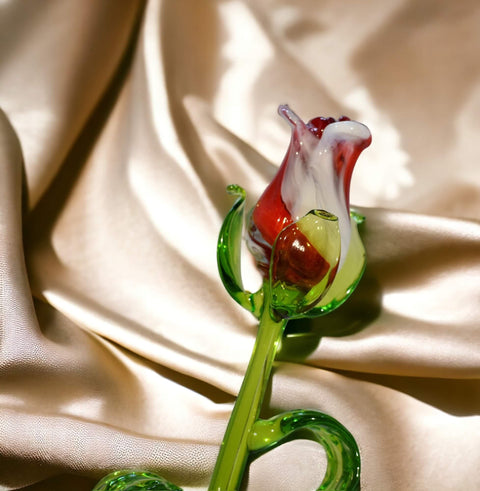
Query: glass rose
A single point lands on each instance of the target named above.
(306, 244)
(301, 232)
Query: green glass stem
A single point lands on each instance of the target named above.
(234, 450)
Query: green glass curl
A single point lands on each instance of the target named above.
(130, 480)
(343, 457)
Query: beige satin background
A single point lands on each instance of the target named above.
(124, 123)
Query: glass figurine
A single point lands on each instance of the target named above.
(306, 245)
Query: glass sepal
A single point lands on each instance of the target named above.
(347, 277)
(304, 263)
(229, 255)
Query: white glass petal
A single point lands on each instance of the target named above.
(310, 179)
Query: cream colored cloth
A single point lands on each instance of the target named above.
(124, 122)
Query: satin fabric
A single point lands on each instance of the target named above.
(122, 124)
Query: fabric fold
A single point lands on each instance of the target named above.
(122, 124)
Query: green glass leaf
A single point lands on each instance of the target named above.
(129, 480)
(343, 457)
(347, 277)
(304, 261)
(229, 255)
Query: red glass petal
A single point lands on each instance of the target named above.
(317, 125)
(270, 215)
(296, 262)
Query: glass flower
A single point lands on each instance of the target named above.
(306, 244)
(301, 232)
